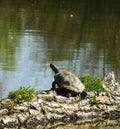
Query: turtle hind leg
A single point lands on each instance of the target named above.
(68, 95)
(83, 95)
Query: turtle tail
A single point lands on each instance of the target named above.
(54, 68)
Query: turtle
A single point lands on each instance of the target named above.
(67, 82)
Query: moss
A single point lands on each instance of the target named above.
(92, 84)
(93, 101)
(22, 94)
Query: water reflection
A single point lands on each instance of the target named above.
(82, 37)
(106, 124)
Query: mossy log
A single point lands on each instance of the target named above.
(48, 107)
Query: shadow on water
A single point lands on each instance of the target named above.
(105, 124)
(80, 36)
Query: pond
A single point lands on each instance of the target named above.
(80, 36)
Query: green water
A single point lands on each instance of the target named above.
(81, 36)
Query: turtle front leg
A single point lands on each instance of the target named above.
(53, 85)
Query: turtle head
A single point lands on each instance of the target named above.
(54, 68)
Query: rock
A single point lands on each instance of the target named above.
(111, 85)
(33, 112)
(4, 112)
(10, 120)
(103, 99)
(22, 118)
(20, 108)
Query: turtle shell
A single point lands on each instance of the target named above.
(69, 81)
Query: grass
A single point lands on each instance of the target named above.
(93, 101)
(92, 84)
(22, 94)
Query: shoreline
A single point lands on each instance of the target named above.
(48, 107)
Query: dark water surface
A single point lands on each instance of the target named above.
(82, 36)
(106, 124)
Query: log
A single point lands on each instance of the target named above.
(48, 107)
